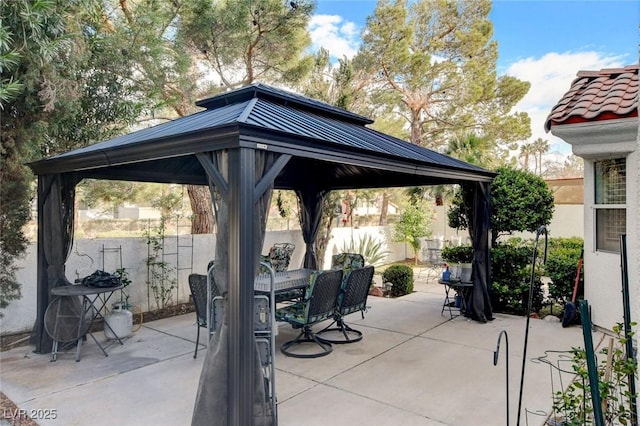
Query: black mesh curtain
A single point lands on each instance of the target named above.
(310, 207)
(479, 198)
(56, 197)
(212, 399)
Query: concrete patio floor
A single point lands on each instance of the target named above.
(413, 367)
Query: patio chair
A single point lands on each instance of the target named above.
(198, 287)
(352, 298)
(431, 257)
(317, 306)
(279, 257)
(347, 260)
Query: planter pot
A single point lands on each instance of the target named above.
(465, 273)
(458, 301)
(456, 271)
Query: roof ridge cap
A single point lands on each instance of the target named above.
(242, 118)
(609, 71)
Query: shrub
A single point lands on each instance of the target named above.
(520, 201)
(401, 278)
(562, 265)
(511, 275)
(458, 254)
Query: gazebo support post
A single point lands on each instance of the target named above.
(241, 252)
(56, 193)
(41, 339)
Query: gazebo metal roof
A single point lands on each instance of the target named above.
(245, 143)
(332, 145)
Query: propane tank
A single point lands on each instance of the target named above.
(120, 319)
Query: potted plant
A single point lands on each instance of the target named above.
(459, 259)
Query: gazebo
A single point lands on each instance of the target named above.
(242, 145)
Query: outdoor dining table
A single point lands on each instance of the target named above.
(283, 282)
(94, 300)
(281, 286)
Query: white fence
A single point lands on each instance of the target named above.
(183, 254)
(194, 252)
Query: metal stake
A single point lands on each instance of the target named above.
(495, 362)
(541, 230)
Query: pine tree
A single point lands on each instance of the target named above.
(434, 64)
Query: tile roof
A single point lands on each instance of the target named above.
(608, 94)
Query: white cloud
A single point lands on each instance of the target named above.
(550, 77)
(339, 37)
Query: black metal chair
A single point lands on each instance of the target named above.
(347, 260)
(317, 306)
(198, 287)
(278, 258)
(352, 298)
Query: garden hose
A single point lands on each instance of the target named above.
(135, 310)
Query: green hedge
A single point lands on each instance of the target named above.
(401, 277)
(562, 266)
(511, 277)
(458, 254)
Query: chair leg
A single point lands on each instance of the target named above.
(306, 336)
(343, 328)
(195, 355)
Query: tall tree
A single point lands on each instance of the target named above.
(434, 64)
(166, 76)
(337, 84)
(340, 86)
(188, 50)
(474, 149)
(62, 92)
(246, 41)
(526, 151)
(540, 147)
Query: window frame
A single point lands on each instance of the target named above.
(601, 206)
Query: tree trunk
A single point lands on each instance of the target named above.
(203, 220)
(326, 225)
(384, 209)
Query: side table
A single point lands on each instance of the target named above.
(93, 300)
(460, 288)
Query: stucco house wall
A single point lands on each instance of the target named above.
(598, 116)
(603, 278)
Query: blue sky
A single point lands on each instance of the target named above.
(544, 42)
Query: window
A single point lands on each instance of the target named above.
(610, 203)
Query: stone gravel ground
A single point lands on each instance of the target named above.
(11, 415)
